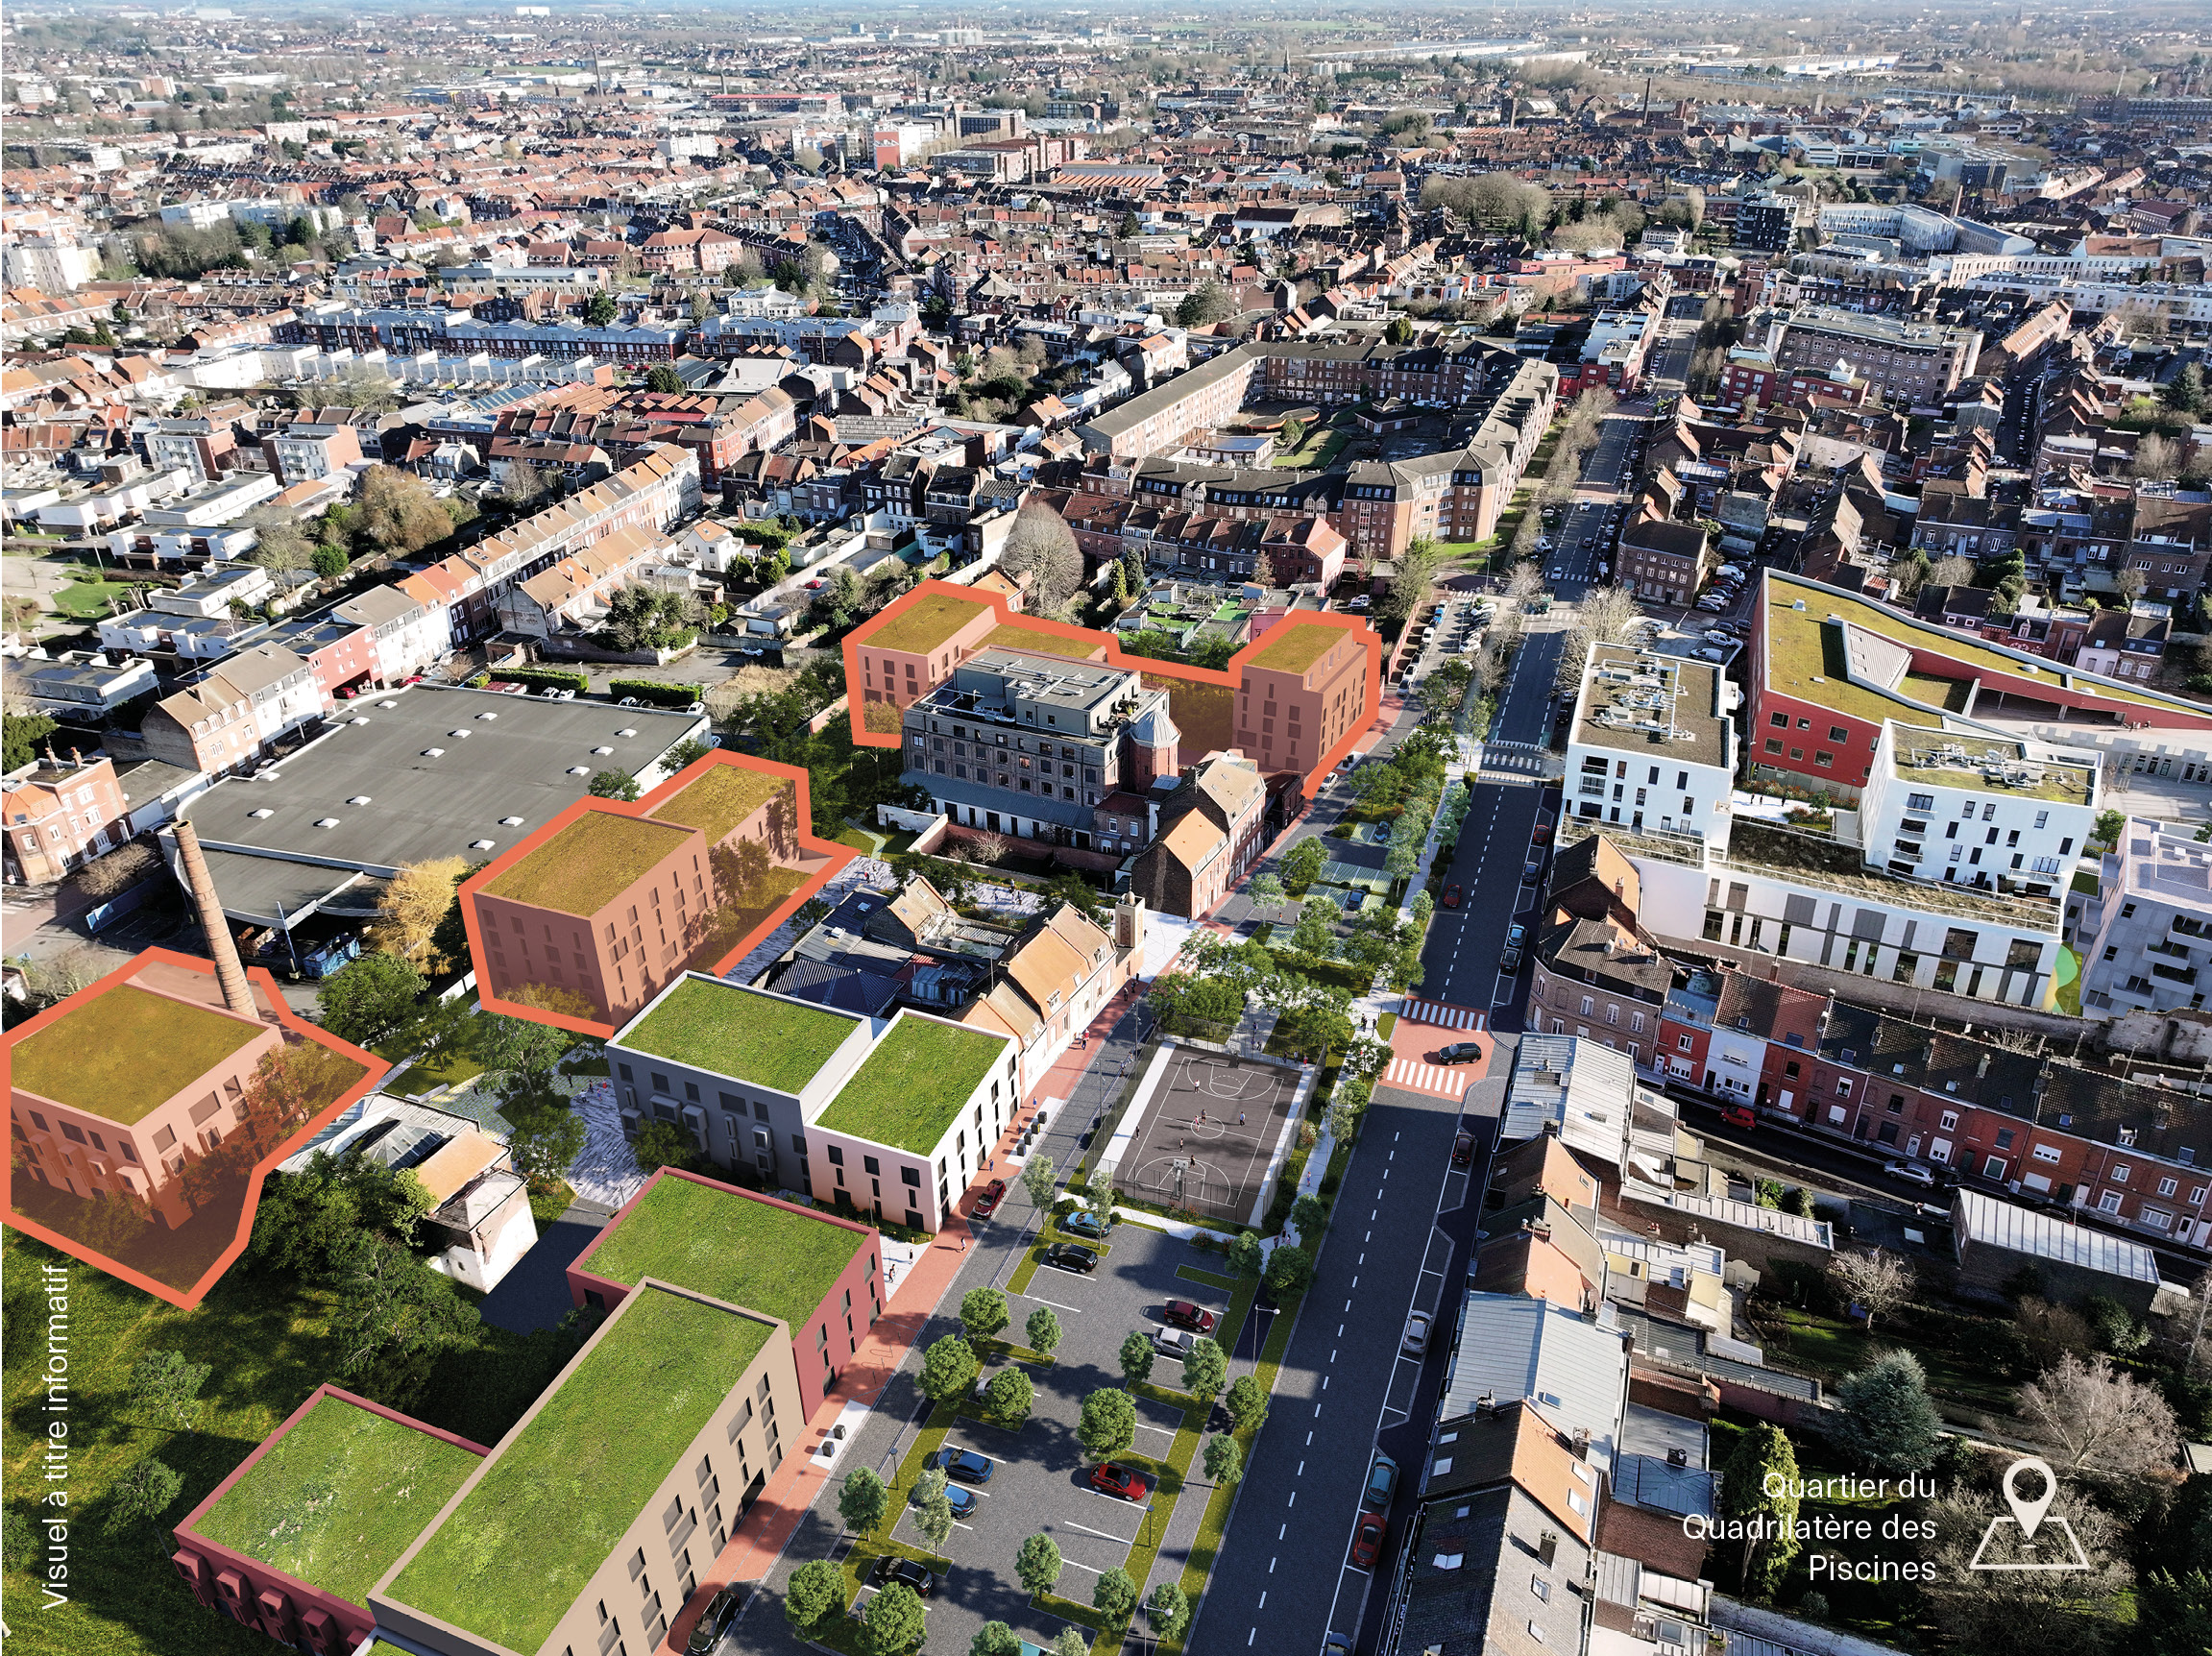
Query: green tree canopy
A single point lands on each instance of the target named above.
(1109, 1423)
(1223, 1460)
(1756, 1491)
(1042, 1331)
(948, 1368)
(862, 1500)
(1037, 1564)
(1887, 1420)
(984, 1312)
(1136, 1357)
(817, 1588)
(370, 999)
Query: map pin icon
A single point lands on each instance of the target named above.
(2030, 1513)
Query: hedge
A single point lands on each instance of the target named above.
(551, 675)
(652, 689)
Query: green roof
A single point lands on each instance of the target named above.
(589, 863)
(339, 1498)
(723, 796)
(558, 1494)
(735, 1247)
(741, 1034)
(1292, 646)
(123, 1052)
(912, 1084)
(921, 628)
(1035, 640)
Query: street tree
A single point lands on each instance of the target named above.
(1289, 1274)
(1010, 1396)
(983, 1313)
(1885, 1418)
(1875, 1282)
(995, 1639)
(1098, 1191)
(1114, 1596)
(544, 1142)
(166, 1388)
(1301, 866)
(1109, 1423)
(862, 1500)
(815, 1588)
(1037, 1564)
(1136, 1357)
(1757, 1492)
(934, 1510)
(1204, 1369)
(894, 1620)
(1072, 1642)
(1037, 1179)
(1042, 1331)
(370, 999)
(1169, 1608)
(1247, 1254)
(1223, 1460)
(949, 1369)
(1266, 893)
(1247, 1404)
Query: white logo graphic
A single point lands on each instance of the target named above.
(2023, 1551)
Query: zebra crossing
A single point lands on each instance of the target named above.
(1439, 1080)
(1450, 1017)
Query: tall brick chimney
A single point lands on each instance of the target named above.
(229, 970)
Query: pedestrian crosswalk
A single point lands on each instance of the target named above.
(1450, 1017)
(1443, 1080)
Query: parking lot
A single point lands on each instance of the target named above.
(1040, 1479)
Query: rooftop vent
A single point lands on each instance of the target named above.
(325, 822)
(510, 821)
(625, 732)
(263, 811)
(388, 704)
(602, 750)
(359, 799)
(487, 715)
(358, 718)
(480, 844)
(462, 734)
(433, 753)
(579, 770)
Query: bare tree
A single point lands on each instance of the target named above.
(1875, 1282)
(2095, 1418)
(1951, 572)
(2130, 583)
(1524, 582)
(1996, 1612)
(989, 849)
(1603, 616)
(2156, 459)
(1044, 544)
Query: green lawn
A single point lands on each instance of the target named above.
(1831, 1348)
(268, 1348)
(340, 1498)
(730, 1246)
(510, 1559)
(443, 1068)
(124, 1053)
(925, 623)
(722, 798)
(86, 598)
(737, 1031)
(913, 1083)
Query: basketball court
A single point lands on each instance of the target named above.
(1210, 1132)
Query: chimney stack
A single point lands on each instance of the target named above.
(229, 971)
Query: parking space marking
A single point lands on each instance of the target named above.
(1164, 1431)
(1119, 1539)
(1054, 1303)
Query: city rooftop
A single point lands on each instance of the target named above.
(741, 1032)
(589, 863)
(912, 1084)
(126, 1051)
(921, 628)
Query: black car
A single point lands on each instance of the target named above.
(891, 1568)
(965, 1464)
(1067, 1256)
(1463, 1149)
(715, 1620)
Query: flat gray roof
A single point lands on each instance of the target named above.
(1997, 1223)
(1513, 1347)
(523, 757)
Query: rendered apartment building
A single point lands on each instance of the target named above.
(585, 1529)
(884, 1116)
(2145, 935)
(604, 912)
(128, 1079)
(1652, 743)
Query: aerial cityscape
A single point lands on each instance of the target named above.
(846, 830)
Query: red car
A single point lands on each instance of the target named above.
(1738, 1116)
(1367, 1540)
(1186, 1315)
(1452, 896)
(1541, 836)
(1120, 1482)
(988, 1202)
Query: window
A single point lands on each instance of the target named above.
(2045, 1152)
(2120, 1174)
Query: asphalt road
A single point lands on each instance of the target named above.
(1284, 1577)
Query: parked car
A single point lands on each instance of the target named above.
(1083, 1222)
(1186, 1315)
(1463, 1149)
(715, 1620)
(1067, 1256)
(1173, 1343)
(1382, 1484)
(1542, 835)
(628, 701)
(1452, 896)
(1532, 870)
(1416, 1340)
(1122, 1482)
(1509, 958)
(1911, 1172)
(1460, 1052)
(1380, 833)
(988, 1202)
(1738, 1116)
(963, 1463)
(1367, 1540)
(918, 1575)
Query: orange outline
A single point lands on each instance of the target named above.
(836, 857)
(1230, 677)
(373, 1072)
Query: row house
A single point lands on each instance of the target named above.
(1054, 979)
(1212, 829)
(573, 595)
(407, 631)
(651, 493)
